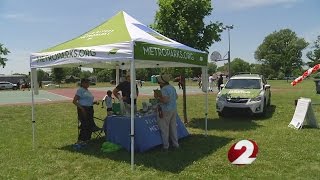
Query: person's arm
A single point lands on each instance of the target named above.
(76, 102)
(103, 100)
(164, 99)
(115, 93)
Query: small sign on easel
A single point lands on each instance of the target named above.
(303, 112)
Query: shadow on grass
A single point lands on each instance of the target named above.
(270, 111)
(224, 124)
(237, 121)
(191, 149)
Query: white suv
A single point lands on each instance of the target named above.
(248, 93)
(8, 85)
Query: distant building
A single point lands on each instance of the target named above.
(13, 78)
(71, 79)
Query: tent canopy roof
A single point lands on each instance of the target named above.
(117, 42)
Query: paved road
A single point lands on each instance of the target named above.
(52, 95)
(148, 90)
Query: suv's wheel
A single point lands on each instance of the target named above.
(264, 111)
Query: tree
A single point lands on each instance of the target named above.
(282, 51)
(212, 68)
(75, 71)
(57, 74)
(314, 55)
(239, 65)
(3, 51)
(142, 74)
(183, 21)
(42, 75)
(85, 74)
(104, 75)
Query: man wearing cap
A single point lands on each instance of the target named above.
(125, 88)
(168, 106)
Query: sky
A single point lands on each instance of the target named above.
(28, 26)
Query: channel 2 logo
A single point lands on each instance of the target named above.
(243, 152)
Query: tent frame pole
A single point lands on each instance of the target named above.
(206, 110)
(32, 109)
(132, 96)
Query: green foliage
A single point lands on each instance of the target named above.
(3, 52)
(223, 68)
(142, 74)
(316, 76)
(85, 74)
(104, 75)
(58, 74)
(42, 75)
(281, 75)
(212, 68)
(74, 71)
(314, 55)
(239, 65)
(281, 51)
(183, 21)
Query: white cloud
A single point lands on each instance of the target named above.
(246, 4)
(311, 35)
(24, 18)
(18, 62)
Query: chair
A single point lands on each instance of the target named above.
(96, 131)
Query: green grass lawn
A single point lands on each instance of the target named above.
(284, 153)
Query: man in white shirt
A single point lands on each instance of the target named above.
(211, 81)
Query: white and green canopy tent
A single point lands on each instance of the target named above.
(121, 42)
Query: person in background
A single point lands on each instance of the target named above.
(168, 112)
(84, 101)
(40, 84)
(125, 88)
(180, 82)
(108, 99)
(199, 81)
(18, 85)
(211, 81)
(220, 81)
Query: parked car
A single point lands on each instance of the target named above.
(8, 85)
(248, 93)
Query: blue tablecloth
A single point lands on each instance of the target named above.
(147, 132)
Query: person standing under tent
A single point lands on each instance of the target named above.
(84, 101)
(125, 88)
(168, 112)
(108, 99)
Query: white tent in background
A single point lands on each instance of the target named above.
(121, 42)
